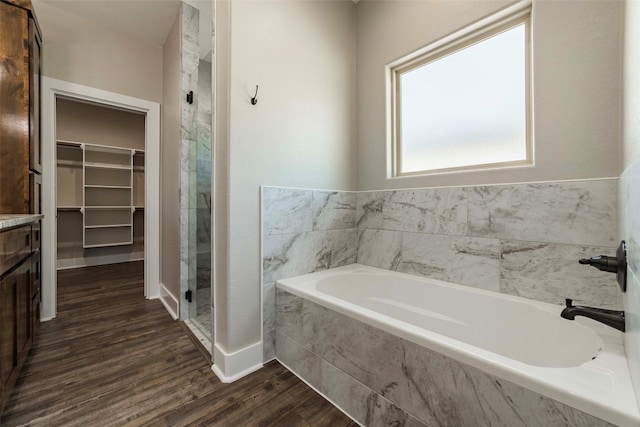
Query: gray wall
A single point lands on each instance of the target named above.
(302, 54)
(170, 166)
(79, 51)
(576, 74)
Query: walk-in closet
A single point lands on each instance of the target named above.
(100, 184)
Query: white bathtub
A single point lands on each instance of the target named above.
(579, 363)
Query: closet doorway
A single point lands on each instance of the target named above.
(102, 208)
(100, 155)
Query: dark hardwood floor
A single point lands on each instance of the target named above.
(112, 358)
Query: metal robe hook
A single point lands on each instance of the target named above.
(254, 100)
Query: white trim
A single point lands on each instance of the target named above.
(65, 264)
(479, 31)
(169, 301)
(230, 367)
(52, 89)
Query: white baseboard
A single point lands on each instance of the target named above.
(169, 301)
(64, 264)
(230, 367)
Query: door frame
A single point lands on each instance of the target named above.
(51, 90)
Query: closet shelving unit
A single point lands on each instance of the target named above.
(106, 185)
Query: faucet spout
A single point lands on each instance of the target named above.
(613, 318)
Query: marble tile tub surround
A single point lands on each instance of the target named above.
(519, 239)
(303, 231)
(629, 196)
(381, 379)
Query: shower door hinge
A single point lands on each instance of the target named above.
(188, 295)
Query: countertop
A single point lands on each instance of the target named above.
(13, 220)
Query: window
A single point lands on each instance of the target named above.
(464, 104)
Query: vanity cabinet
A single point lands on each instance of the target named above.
(19, 302)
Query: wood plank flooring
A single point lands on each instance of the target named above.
(112, 358)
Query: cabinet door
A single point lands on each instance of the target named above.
(35, 293)
(35, 133)
(23, 310)
(14, 110)
(8, 305)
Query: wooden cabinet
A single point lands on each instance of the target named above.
(35, 83)
(20, 183)
(20, 138)
(19, 302)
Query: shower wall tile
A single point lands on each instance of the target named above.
(632, 333)
(303, 231)
(289, 255)
(360, 402)
(629, 191)
(333, 210)
(300, 360)
(286, 210)
(269, 302)
(369, 208)
(580, 213)
(379, 248)
(353, 357)
(487, 237)
(464, 260)
(439, 211)
(203, 228)
(442, 233)
(550, 272)
(269, 346)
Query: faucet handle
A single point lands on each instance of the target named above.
(568, 302)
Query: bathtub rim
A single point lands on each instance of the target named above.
(618, 407)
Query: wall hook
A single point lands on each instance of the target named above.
(190, 97)
(254, 100)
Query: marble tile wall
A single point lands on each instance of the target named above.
(203, 176)
(303, 231)
(189, 61)
(380, 379)
(521, 239)
(629, 208)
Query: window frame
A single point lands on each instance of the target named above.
(462, 39)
